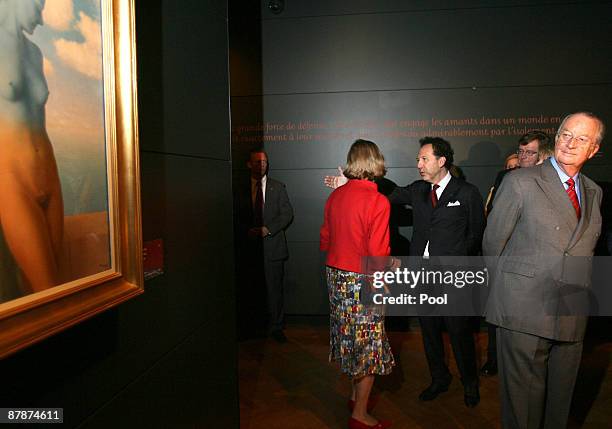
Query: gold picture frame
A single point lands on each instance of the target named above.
(31, 318)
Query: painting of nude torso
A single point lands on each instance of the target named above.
(54, 215)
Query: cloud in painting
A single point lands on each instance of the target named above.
(86, 56)
(58, 14)
(48, 67)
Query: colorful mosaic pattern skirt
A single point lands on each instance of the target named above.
(357, 334)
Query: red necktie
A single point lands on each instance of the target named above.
(434, 196)
(571, 193)
(258, 205)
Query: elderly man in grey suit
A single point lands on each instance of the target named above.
(544, 229)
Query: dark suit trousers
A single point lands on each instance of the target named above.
(250, 289)
(462, 341)
(536, 379)
(274, 287)
(492, 343)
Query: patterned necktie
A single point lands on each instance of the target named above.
(258, 205)
(434, 196)
(571, 193)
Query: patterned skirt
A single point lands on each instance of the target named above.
(357, 334)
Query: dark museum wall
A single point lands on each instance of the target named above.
(311, 79)
(168, 357)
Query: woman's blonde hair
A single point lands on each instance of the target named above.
(364, 161)
(510, 158)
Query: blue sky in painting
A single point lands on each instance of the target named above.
(71, 42)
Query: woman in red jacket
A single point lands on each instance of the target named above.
(356, 225)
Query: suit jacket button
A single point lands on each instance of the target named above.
(557, 228)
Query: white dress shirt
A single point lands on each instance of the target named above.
(254, 189)
(442, 186)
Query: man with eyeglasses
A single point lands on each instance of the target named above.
(527, 152)
(543, 232)
(529, 146)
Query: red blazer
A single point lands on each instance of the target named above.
(356, 224)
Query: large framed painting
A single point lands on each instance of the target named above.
(70, 233)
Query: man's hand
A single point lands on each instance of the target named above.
(335, 181)
(394, 263)
(254, 232)
(257, 232)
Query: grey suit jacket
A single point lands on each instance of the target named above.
(545, 253)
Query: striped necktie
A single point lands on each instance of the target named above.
(434, 196)
(258, 206)
(571, 193)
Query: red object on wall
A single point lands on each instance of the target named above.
(153, 262)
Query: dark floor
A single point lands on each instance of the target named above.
(293, 385)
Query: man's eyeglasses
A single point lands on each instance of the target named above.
(567, 137)
(526, 153)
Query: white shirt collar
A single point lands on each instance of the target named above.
(564, 178)
(442, 184)
(264, 180)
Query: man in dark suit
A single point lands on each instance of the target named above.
(448, 216)
(544, 229)
(263, 213)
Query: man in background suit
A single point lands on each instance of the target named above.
(528, 150)
(544, 228)
(263, 213)
(448, 216)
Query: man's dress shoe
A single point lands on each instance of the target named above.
(471, 395)
(279, 337)
(489, 368)
(433, 391)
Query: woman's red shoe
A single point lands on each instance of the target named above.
(356, 424)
